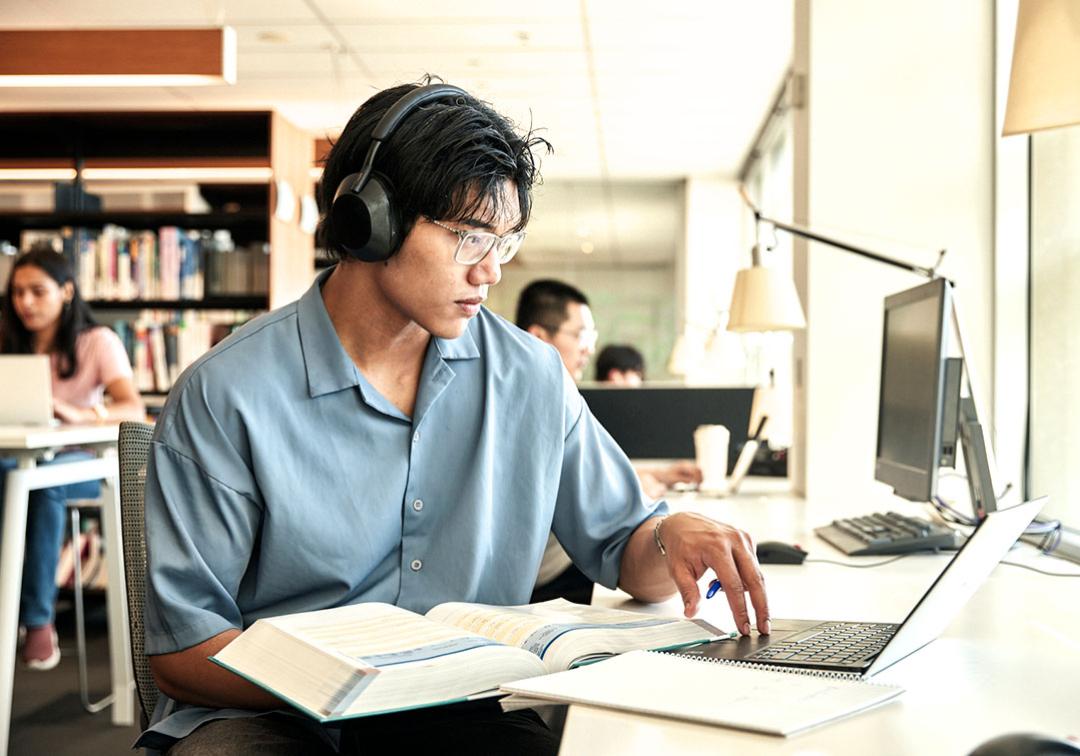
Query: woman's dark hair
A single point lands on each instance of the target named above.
(621, 357)
(75, 318)
(447, 160)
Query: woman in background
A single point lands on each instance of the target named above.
(42, 313)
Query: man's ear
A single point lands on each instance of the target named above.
(539, 332)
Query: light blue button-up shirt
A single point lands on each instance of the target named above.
(281, 481)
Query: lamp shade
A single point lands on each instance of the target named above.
(117, 57)
(764, 300)
(1044, 86)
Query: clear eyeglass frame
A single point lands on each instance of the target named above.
(474, 246)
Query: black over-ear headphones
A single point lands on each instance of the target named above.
(365, 224)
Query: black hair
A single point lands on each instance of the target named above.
(544, 302)
(75, 317)
(447, 160)
(621, 357)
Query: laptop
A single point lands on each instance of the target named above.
(26, 398)
(863, 649)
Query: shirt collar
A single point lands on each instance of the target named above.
(329, 368)
(462, 348)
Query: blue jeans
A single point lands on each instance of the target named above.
(44, 537)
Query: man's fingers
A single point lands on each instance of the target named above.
(737, 569)
(754, 582)
(688, 589)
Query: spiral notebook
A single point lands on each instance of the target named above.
(712, 691)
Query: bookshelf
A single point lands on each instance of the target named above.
(185, 233)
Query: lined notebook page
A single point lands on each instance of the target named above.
(729, 695)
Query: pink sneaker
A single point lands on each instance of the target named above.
(41, 650)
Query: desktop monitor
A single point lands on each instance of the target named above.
(918, 409)
(654, 422)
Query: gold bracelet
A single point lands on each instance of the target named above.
(657, 538)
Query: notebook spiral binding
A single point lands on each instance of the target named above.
(826, 673)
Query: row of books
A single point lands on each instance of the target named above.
(172, 263)
(162, 343)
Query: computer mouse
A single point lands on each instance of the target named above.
(775, 552)
(1026, 744)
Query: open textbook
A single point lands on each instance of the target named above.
(371, 658)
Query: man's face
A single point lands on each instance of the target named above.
(575, 339)
(428, 287)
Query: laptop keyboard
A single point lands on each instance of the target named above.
(886, 533)
(832, 643)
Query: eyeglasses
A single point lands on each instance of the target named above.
(473, 246)
(586, 337)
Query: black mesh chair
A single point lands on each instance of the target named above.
(134, 449)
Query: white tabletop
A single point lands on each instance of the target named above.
(1009, 662)
(45, 436)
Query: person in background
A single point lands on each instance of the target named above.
(620, 365)
(623, 365)
(42, 313)
(558, 314)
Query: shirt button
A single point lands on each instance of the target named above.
(416, 565)
(418, 505)
(416, 437)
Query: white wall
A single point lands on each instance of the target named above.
(714, 249)
(1055, 339)
(894, 151)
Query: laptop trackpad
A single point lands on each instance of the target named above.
(748, 644)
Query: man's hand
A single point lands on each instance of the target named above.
(694, 544)
(679, 472)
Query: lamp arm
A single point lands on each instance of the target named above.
(805, 233)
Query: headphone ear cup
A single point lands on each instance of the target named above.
(364, 223)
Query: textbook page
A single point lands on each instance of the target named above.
(370, 657)
(564, 634)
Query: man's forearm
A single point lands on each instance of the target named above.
(191, 677)
(643, 572)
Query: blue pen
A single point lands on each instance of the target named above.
(714, 587)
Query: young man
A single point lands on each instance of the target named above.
(385, 438)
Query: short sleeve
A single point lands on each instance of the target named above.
(600, 501)
(201, 528)
(112, 358)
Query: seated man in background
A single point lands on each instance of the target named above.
(559, 314)
(620, 365)
(386, 438)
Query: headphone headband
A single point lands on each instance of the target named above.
(365, 221)
(395, 115)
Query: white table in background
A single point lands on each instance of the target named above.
(1010, 662)
(29, 445)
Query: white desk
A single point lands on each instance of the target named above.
(28, 444)
(1009, 662)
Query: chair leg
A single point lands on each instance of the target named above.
(93, 707)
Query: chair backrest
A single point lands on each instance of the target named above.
(134, 449)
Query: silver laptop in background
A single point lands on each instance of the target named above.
(26, 390)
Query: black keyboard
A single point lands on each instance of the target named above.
(834, 644)
(886, 533)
